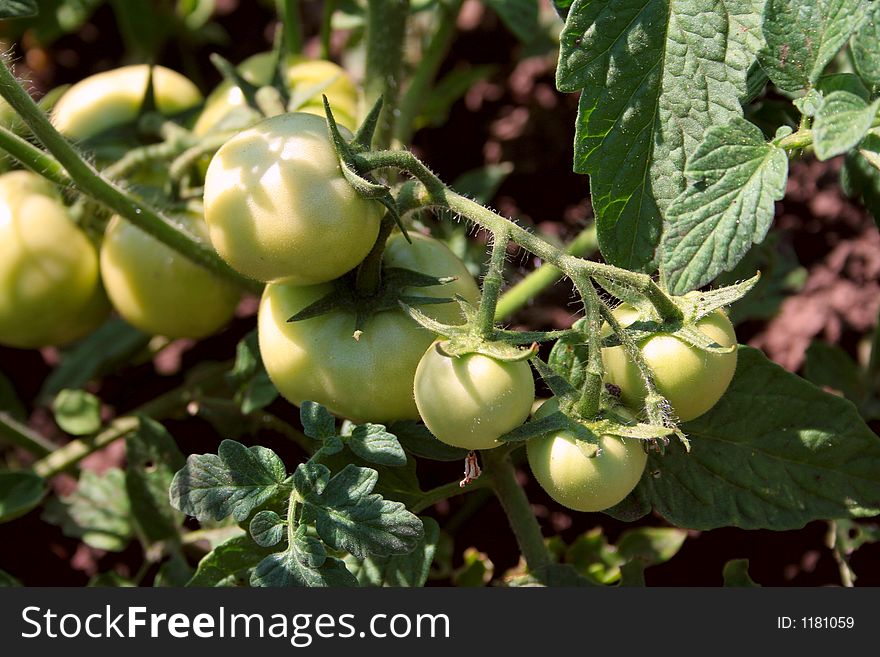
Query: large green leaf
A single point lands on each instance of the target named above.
(232, 482)
(402, 569)
(735, 179)
(655, 75)
(776, 452)
(841, 122)
(304, 563)
(866, 48)
(229, 564)
(803, 36)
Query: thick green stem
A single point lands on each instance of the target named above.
(386, 29)
(15, 433)
(33, 158)
(91, 183)
(369, 274)
(520, 294)
(499, 468)
(492, 282)
(430, 497)
(288, 12)
(591, 392)
(426, 71)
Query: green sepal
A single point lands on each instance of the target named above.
(279, 69)
(229, 72)
(363, 138)
(696, 305)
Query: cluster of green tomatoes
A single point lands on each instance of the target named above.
(278, 209)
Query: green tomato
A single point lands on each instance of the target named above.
(307, 79)
(114, 98)
(370, 378)
(160, 291)
(471, 400)
(279, 208)
(50, 287)
(581, 482)
(692, 380)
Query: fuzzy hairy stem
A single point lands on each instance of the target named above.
(386, 28)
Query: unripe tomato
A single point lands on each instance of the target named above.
(692, 380)
(159, 290)
(578, 481)
(316, 77)
(279, 209)
(367, 379)
(50, 288)
(471, 400)
(113, 98)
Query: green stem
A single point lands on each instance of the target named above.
(437, 194)
(33, 158)
(288, 12)
(432, 58)
(591, 392)
(430, 497)
(499, 468)
(796, 141)
(15, 433)
(91, 183)
(520, 294)
(386, 29)
(369, 273)
(193, 153)
(492, 282)
(327, 27)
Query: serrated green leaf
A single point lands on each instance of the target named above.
(400, 570)
(736, 573)
(348, 517)
(77, 412)
(18, 8)
(232, 482)
(374, 444)
(803, 36)
(317, 421)
(113, 343)
(285, 569)
(152, 458)
(655, 75)
(229, 563)
(736, 178)
(419, 441)
(520, 17)
(98, 511)
(267, 528)
(865, 48)
(310, 479)
(19, 493)
(841, 123)
(775, 452)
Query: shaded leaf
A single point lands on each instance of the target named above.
(19, 493)
(77, 412)
(267, 528)
(229, 563)
(401, 570)
(376, 445)
(841, 123)
(98, 511)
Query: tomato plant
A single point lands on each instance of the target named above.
(50, 288)
(371, 376)
(691, 379)
(583, 476)
(470, 401)
(279, 209)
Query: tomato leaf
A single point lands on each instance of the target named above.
(77, 412)
(18, 8)
(98, 511)
(399, 569)
(232, 482)
(229, 563)
(348, 517)
(152, 458)
(655, 75)
(267, 528)
(865, 48)
(254, 388)
(19, 493)
(287, 569)
(735, 179)
(775, 452)
(316, 421)
(803, 36)
(374, 444)
(520, 17)
(842, 121)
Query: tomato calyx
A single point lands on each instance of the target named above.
(393, 291)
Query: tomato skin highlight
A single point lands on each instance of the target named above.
(113, 98)
(577, 481)
(370, 379)
(50, 286)
(692, 380)
(226, 105)
(279, 209)
(471, 400)
(159, 290)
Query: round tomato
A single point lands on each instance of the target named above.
(582, 482)
(692, 380)
(471, 400)
(160, 291)
(280, 210)
(307, 79)
(113, 98)
(50, 288)
(370, 378)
